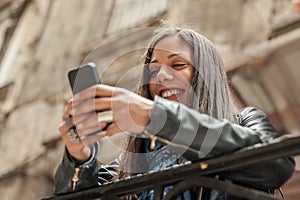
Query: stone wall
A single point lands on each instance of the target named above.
(49, 39)
(41, 40)
(233, 26)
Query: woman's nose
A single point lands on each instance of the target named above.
(164, 74)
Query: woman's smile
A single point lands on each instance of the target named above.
(171, 93)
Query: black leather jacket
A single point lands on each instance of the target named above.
(210, 137)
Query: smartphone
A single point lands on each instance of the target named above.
(83, 77)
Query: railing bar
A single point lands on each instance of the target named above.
(243, 159)
(158, 192)
(226, 162)
(229, 188)
(108, 197)
(239, 191)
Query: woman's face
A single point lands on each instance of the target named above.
(171, 69)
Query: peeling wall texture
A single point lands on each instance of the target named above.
(40, 40)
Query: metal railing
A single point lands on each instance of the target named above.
(195, 175)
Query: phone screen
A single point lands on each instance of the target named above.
(83, 77)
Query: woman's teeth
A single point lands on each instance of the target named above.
(168, 93)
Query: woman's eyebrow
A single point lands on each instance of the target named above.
(169, 57)
(154, 61)
(176, 54)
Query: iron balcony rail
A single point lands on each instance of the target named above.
(195, 175)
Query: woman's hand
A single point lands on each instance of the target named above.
(131, 113)
(80, 151)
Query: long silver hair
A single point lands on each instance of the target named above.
(210, 92)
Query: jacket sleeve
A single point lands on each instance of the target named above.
(89, 174)
(211, 137)
(86, 174)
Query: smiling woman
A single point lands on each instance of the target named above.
(183, 99)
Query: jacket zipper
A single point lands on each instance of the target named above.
(154, 138)
(75, 178)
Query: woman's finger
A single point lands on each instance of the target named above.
(98, 90)
(68, 109)
(92, 139)
(64, 130)
(92, 104)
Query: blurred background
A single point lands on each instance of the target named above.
(40, 40)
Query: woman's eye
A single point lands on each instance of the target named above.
(178, 65)
(154, 72)
(154, 69)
